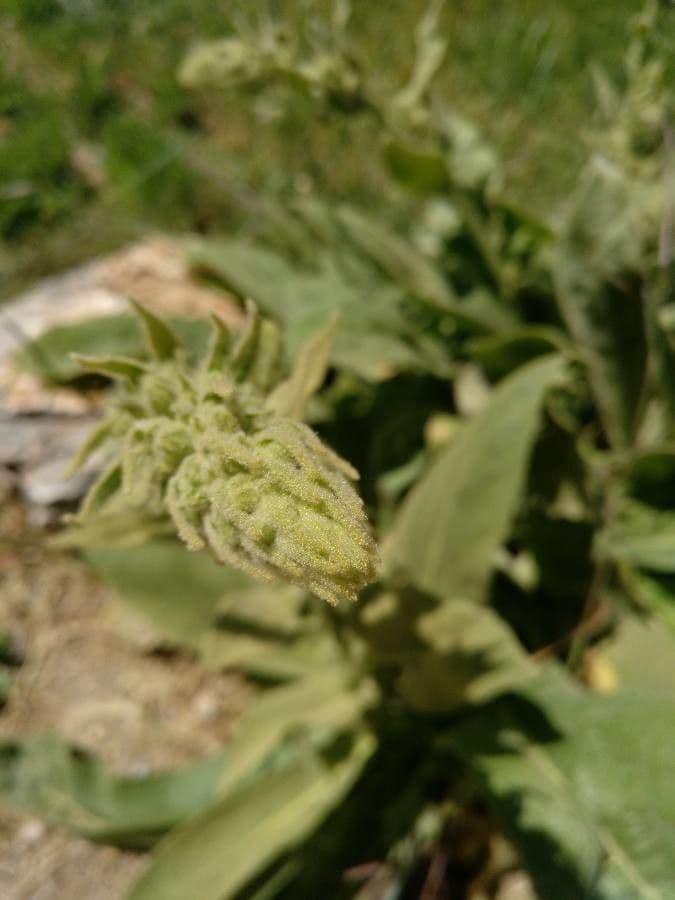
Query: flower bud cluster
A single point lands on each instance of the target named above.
(260, 490)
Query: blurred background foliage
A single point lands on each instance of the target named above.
(100, 142)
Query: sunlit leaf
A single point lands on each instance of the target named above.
(376, 338)
(178, 590)
(451, 524)
(219, 853)
(323, 700)
(159, 338)
(51, 355)
(309, 370)
(590, 802)
(398, 258)
(46, 777)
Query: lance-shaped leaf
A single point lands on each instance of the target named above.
(243, 352)
(323, 700)
(160, 339)
(398, 258)
(214, 857)
(597, 270)
(290, 397)
(264, 369)
(117, 367)
(219, 345)
(451, 524)
(98, 436)
(46, 777)
(377, 337)
(641, 537)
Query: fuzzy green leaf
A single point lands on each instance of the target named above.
(219, 853)
(451, 524)
(111, 366)
(472, 656)
(597, 270)
(243, 352)
(641, 537)
(51, 356)
(179, 591)
(290, 397)
(376, 338)
(590, 803)
(160, 339)
(398, 258)
(324, 700)
(46, 777)
(219, 345)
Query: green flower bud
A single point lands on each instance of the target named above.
(259, 489)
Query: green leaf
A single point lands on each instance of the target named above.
(290, 397)
(641, 537)
(323, 700)
(273, 884)
(110, 366)
(652, 591)
(50, 355)
(416, 166)
(590, 804)
(472, 657)
(500, 354)
(264, 370)
(227, 618)
(376, 337)
(160, 339)
(244, 349)
(126, 529)
(178, 590)
(264, 609)
(650, 478)
(398, 258)
(264, 657)
(597, 270)
(219, 345)
(219, 853)
(452, 523)
(46, 777)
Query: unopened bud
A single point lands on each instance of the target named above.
(260, 490)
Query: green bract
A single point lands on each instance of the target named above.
(205, 445)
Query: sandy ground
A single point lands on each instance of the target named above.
(89, 674)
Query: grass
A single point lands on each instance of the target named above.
(99, 143)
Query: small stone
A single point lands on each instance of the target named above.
(206, 706)
(32, 831)
(516, 886)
